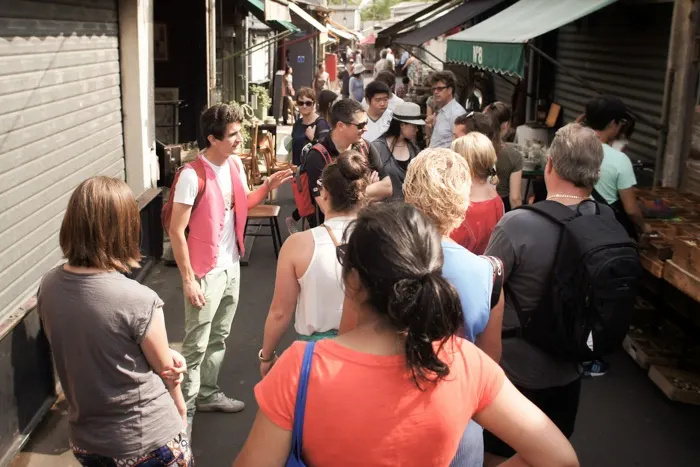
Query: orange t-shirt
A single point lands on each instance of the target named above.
(364, 409)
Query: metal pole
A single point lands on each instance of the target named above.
(530, 86)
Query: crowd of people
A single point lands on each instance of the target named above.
(411, 291)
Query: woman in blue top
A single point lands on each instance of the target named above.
(438, 182)
(310, 126)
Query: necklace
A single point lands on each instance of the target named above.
(564, 195)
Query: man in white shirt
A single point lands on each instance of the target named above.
(378, 115)
(443, 83)
(388, 78)
(390, 57)
(208, 259)
(381, 65)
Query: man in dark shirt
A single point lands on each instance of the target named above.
(348, 124)
(344, 77)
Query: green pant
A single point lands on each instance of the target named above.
(206, 330)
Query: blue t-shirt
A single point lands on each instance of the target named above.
(472, 276)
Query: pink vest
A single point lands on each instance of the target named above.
(207, 219)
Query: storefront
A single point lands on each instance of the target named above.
(76, 82)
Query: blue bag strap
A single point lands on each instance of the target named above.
(300, 406)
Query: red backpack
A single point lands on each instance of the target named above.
(300, 182)
(300, 185)
(167, 212)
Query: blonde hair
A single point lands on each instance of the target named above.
(477, 149)
(438, 183)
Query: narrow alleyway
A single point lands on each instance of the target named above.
(623, 419)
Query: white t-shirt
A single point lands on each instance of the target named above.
(377, 128)
(390, 57)
(186, 192)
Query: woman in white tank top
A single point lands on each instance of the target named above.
(309, 276)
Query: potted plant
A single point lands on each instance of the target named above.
(261, 101)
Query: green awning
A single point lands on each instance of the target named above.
(257, 9)
(498, 43)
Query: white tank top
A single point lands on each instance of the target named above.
(320, 302)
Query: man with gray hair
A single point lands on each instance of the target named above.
(526, 242)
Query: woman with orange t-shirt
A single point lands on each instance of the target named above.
(398, 389)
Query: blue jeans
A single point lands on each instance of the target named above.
(470, 452)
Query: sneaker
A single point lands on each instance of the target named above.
(291, 225)
(595, 368)
(220, 403)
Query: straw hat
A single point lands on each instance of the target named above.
(358, 69)
(408, 112)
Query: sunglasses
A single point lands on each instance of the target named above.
(360, 126)
(341, 252)
(305, 103)
(439, 88)
(319, 182)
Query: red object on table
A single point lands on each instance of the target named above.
(332, 66)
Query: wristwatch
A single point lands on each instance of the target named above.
(266, 360)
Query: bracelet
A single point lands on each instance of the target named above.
(266, 360)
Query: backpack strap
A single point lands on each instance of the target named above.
(300, 405)
(198, 166)
(497, 266)
(324, 152)
(334, 239)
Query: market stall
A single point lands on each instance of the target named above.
(665, 337)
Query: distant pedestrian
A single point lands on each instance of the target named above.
(108, 338)
(382, 64)
(399, 381)
(510, 161)
(288, 95)
(344, 77)
(321, 80)
(357, 83)
(443, 84)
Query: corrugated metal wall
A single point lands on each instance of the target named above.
(622, 51)
(60, 123)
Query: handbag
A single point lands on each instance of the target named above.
(294, 459)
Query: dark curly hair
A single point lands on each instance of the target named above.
(397, 253)
(216, 118)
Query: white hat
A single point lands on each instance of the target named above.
(358, 68)
(408, 112)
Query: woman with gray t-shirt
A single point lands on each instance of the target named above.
(107, 334)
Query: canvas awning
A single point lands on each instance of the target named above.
(446, 21)
(307, 17)
(257, 9)
(385, 36)
(340, 33)
(498, 44)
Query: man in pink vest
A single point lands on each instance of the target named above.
(208, 258)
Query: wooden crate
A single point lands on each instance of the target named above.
(678, 385)
(686, 253)
(652, 263)
(683, 280)
(648, 351)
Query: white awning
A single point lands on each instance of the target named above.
(340, 33)
(307, 17)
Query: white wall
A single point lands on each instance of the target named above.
(136, 57)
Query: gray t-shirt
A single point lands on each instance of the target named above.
(526, 243)
(95, 323)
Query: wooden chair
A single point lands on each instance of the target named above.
(250, 160)
(269, 213)
(267, 150)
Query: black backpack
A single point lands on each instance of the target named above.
(586, 312)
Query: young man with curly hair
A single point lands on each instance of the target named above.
(212, 199)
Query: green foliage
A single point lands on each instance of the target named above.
(264, 100)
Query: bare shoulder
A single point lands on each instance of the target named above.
(298, 249)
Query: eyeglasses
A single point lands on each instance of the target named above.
(305, 103)
(360, 126)
(341, 252)
(439, 88)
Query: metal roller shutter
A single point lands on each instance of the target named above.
(60, 123)
(503, 89)
(622, 51)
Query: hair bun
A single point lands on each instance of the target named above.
(353, 166)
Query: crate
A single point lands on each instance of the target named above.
(682, 279)
(648, 351)
(678, 385)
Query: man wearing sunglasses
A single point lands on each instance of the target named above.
(348, 125)
(443, 84)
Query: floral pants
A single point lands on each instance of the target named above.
(176, 453)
